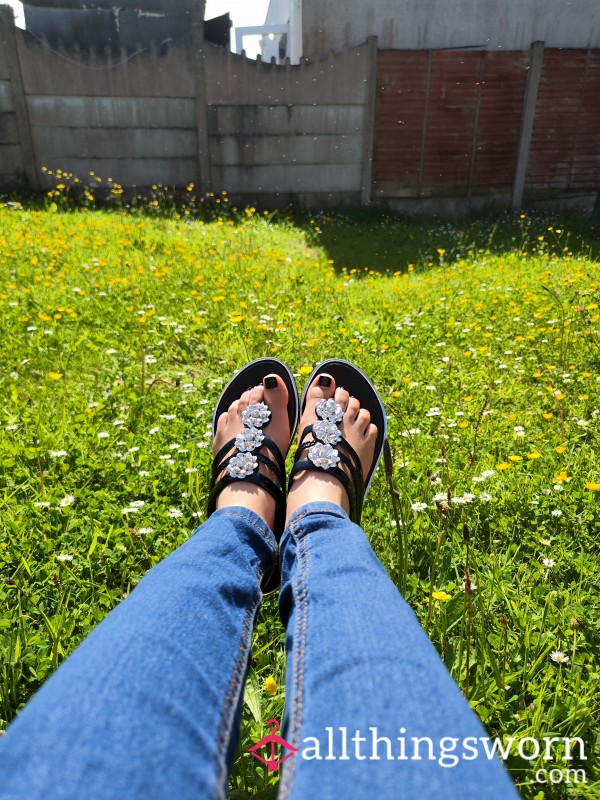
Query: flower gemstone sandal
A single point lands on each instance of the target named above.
(321, 445)
(239, 459)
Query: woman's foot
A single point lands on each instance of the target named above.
(274, 394)
(356, 428)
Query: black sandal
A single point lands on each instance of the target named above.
(319, 452)
(239, 458)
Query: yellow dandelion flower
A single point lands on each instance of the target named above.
(593, 487)
(441, 595)
(463, 424)
(562, 477)
(515, 458)
(549, 415)
(502, 466)
(55, 376)
(533, 455)
(468, 398)
(270, 686)
(305, 370)
(560, 449)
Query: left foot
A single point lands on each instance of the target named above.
(229, 424)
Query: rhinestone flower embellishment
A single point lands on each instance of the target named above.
(326, 432)
(323, 455)
(256, 415)
(249, 439)
(330, 410)
(242, 465)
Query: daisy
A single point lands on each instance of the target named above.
(103, 435)
(67, 501)
(557, 512)
(549, 562)
(559, 657)
(174, 513)
(63, 557)
(418, 506)
(58, 453)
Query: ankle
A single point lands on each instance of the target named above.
(316, 487)
(250, 496)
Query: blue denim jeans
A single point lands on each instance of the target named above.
(148, 707)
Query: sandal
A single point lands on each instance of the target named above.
(240, 457)
(319, 453)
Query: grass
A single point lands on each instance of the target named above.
(121, 326)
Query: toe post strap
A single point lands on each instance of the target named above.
(326, 450)
(240, 459)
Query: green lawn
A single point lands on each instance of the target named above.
(119, 328)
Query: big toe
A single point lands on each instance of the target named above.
(322, 388)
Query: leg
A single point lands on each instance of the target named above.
(149, 704)
(363, 680)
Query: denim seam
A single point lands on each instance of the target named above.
(299, 515)
(231, 701)
(257, 528)
(300, 593)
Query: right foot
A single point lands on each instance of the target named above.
(356, 428)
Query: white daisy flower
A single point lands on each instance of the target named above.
(559, 657)
(64, 557)
(103, 435)
(418, 506)
(174, 513)
(548, 562)
(58, 453)
(68, 500)
(557, 512)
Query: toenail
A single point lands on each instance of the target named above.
(270, 382)
(324, 380)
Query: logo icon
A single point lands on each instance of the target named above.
(271, 740)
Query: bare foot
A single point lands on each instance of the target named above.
(356, 428)
(229, 424)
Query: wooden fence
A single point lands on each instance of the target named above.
(357, 127)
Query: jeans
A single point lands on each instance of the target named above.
(148, 706)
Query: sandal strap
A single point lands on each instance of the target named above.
(221, 460)
(275, 488)
(352, 481)
(258, 479)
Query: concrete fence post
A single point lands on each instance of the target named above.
(536, 60)
(8, 41)
(199, 67)
(369, 124)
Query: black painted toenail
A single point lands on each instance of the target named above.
(270, 382)
(324, 380)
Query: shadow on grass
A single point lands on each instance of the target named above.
(384, 242)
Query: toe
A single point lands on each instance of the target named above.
(256, 395)
(342, 397)
(244, 401)
(352, 409)
(275, 391)
(372, 432)
(322, 387)
(363, 420)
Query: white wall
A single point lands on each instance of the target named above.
(424, 24)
